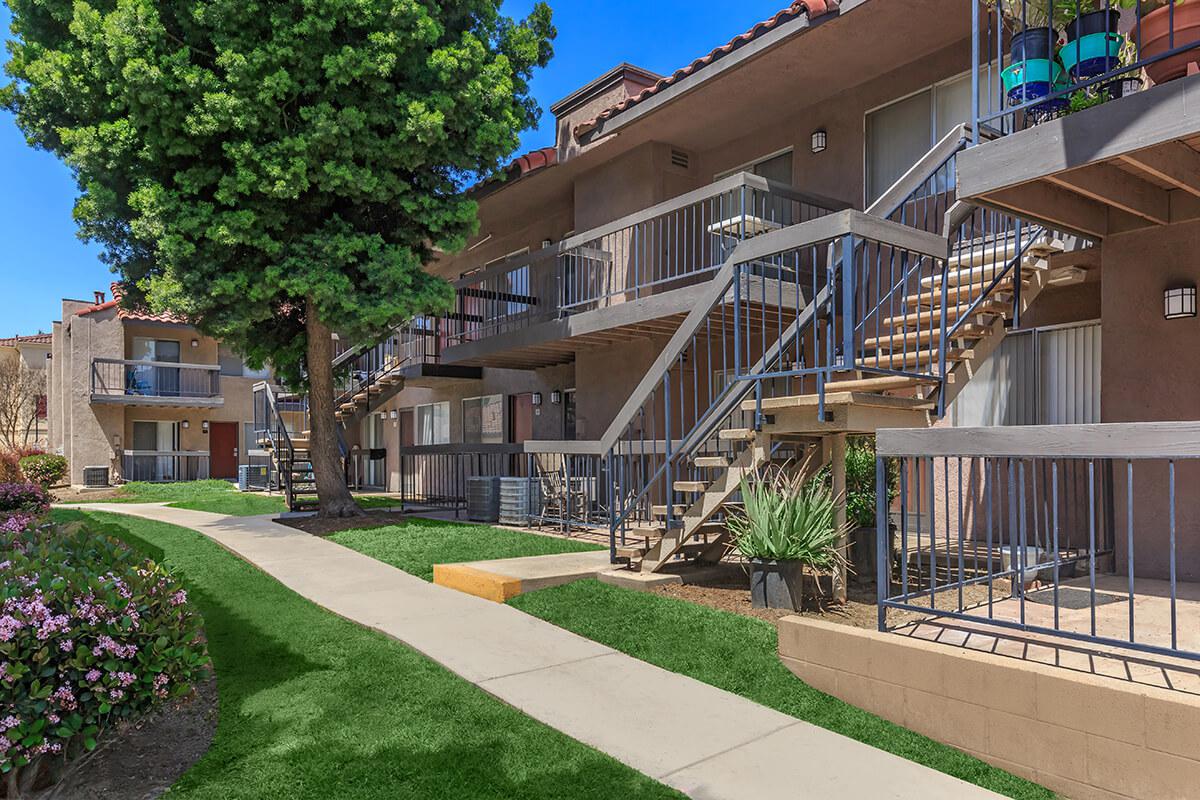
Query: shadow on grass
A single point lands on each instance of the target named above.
(314, 706)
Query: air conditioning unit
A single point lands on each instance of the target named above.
(95, 477)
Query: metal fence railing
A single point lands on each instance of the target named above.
(164, 467)
(112, 377)
(1083, 532)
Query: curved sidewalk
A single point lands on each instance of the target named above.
(694, 737)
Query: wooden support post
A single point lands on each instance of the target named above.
(838, 458)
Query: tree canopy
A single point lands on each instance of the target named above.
(247, 163)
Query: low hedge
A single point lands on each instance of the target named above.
(44, 469)
(90, 634)
(21, 504)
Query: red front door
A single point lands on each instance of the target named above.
(222, 449)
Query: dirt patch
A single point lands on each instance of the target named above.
(320, 526)
(141, 760)
(729, 590)
(69, 494)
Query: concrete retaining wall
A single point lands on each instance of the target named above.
(1082, 736)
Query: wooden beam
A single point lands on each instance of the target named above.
(1105, 440)
(1055, 206)
(1116, 187)
(1174, 162)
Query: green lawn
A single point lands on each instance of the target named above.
(738, 654)
(417, 544)
(218, 497)
(314, 706)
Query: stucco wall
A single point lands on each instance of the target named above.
(1151, 372)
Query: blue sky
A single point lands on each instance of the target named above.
(41, 260)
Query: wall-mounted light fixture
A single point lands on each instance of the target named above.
(556, 397)
(185, 424)
(820, 140)
(537, 398)
(1179, 302)
(204, 426)
(394, 415)
(546, 243)
(195, 342)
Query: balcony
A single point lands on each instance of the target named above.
(634, 277)
(156, 383)
(1098, 136)
(156, 466)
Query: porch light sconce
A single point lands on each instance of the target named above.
(394, 414)
(1179, 303)
(537, 398)
(556, 397)
(204, 426)
(195, 342)
(185, 424)
(820, 140)
(546, 243)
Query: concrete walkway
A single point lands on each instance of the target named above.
(699, 739)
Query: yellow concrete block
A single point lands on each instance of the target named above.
(480, 583)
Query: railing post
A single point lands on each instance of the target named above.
(609, 475)
(883, 548)
(848, 304)
(975, 73)
(669, 470)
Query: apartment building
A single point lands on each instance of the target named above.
(145, 396)
(31, 352)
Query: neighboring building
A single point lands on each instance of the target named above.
(32, 351)
(146, 396)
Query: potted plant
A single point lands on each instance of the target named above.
(860, 504)
(1034, 70)
(1093, 45)
(786, 525)
(1164, 28)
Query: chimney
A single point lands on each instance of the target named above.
(620, 82)
(99, 298)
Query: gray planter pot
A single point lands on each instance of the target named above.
(776, 584)
(863, 556)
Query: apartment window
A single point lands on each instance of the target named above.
(777, 167)
(156, 436)
(433, 423)
(232, 365)
(901, 132)
(147, 379)
(483, 419)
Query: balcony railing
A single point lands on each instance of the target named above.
(669, 245)
(157, 466)
(1072, 531)
(112, 378)
(1037, 59)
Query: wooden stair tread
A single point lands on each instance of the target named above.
(905, 338)
(840, 398)
(712, 462)
(878, 384)
(661, 510)
(691, 486)
(966, 293)
(736, 434)
(933, 316)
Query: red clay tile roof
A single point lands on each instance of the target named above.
(534, 160)
(37, 338)
(811, 8)
(134, 315)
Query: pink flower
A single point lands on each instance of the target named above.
(64, 698)
(9, 722)
(126, 678)
(66, 645)
(179, 598)
(92, 676)
(53, 718)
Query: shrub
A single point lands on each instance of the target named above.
(90, 634)
(860, 481)
(44, 469)
(20, 505)
(10, 468)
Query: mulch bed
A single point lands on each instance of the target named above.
(141, 760)
(321, 526)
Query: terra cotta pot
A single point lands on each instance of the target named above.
(1156, 39)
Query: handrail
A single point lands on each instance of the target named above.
(133, 362)
(816, 231)
(1123, 440)
(166, 452)
(898, 193)
(457, 448)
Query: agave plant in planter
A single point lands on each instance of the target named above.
(786, 525)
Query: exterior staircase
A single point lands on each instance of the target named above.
(898, 359)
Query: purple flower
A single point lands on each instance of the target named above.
(179, 598)
(92, 676)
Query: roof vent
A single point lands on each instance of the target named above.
(679, 158)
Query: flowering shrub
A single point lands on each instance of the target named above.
(90, 634)
(20, 505)
(43, 469)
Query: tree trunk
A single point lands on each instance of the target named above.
(332, 493)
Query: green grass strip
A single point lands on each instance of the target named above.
(739, 654)
(314, 706)
(417, 544)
